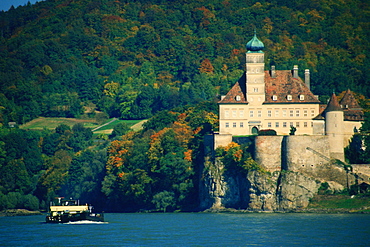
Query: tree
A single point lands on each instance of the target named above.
(80, 138)
(119, 130)
(206, 67)
(163, 200)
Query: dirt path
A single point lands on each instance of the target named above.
(139, 125)
(111, 121)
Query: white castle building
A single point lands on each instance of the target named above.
(280, 99)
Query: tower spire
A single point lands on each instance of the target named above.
(255, 45)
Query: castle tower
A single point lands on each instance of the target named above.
(334, 122)
(255, 75)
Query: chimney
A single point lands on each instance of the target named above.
(273, 72)
(295, 71)
(307, 78)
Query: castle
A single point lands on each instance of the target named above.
(280, 100)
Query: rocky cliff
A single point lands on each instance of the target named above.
(258, 191)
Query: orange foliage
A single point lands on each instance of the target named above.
(207, 16)
(206, 67)
(235, 52)
(182, 117)
(231, 145)
(197, 130)
(187, 155)
(183, 133)
(113, 18)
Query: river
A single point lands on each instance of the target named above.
(192, 229)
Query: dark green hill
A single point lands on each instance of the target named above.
(134, 58)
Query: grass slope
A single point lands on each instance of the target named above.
(340, 203)
(51, 123)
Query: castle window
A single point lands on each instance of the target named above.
(234, 125)
(269, 124)
(255, 89)
(276, 113)
(284, 112)
(227, 125)
(312, 113)
(305, 124)
(276, 124)
(238, 98)
(284, 124)
(259, 114)
(291, 113)
(234, 113)
(269, 113)
(289, 97)
(305, 113)
(297, 113)
(227, 114)
(274, 97)
(251, 113)
(301, 97)
(297, 124)
(291, 124)
(241, 113)
(241, 124)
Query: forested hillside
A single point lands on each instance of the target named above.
(163, 60)
(134, 58)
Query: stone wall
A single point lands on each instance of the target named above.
(297, 166)
(362, 171)
(268, 152)
(305, 153)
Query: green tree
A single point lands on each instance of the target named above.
(163, 200)
(119, 130)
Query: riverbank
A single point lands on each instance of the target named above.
(320, 204)
(18, 212)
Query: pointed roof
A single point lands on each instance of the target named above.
(352, 109)
(350, 114)
(237, 93)
(255, 45)
(349, 101)
(333, 104)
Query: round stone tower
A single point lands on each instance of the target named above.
(334, 128)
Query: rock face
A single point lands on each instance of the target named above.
(258, 191)
(295, 190)
(294, 169)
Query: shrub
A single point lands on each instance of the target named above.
(30, 202)
(268, 132)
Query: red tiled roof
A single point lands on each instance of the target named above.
(333, 104)
(352, 110)
(238, 89)
(349, 101)
(283, 85)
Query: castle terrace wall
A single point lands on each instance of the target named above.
(222, 140)
(349, 130)
(305, 153)
(268, 152)
(362, 171)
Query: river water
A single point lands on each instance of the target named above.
(192, 229)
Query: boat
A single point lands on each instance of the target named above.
(64, 211)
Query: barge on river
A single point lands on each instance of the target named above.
(69, 210)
